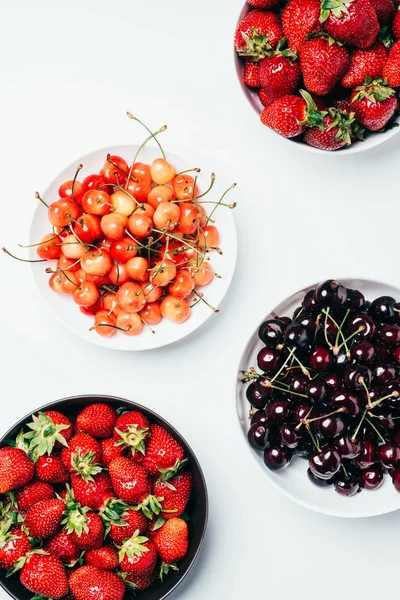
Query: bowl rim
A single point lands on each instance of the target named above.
(309, 505)
(107, 397)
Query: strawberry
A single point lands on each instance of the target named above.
(84, 526)
(14, 544)
(352, 22)
(279, 73)
(48, 430)
(289, 115)
(163, 454)
(98, 420)
(44, 518)
(266, 97)
(396, 25)
(334, 132)
(263, 4)
(176, 494)
(131, 431)
(62, 546)
(172, 542)
(51, 469)
(33, 492)
(82, 455)
(16, 469)
(105, 557)
(391, 71)
(384, 10)
(130, 481)
(299, 19)
(251, 76)
(129, 522)
(257, 34)
(323, 63)
(137, 555)
(364, 63)
(373, 104)
(44, 574)
(91, 583)
(110, 450)
(94, 492)
(141, 582)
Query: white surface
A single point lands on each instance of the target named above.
(69, 71)
(293, 481)
(166, 332)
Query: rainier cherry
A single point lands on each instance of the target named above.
(129, 322)
(137, 268)
(62, 212)
(113, 225)
(175, 309)
(145, 209)
(55, 282)
(163, 272)
(189, 220)
(183, 284)
(49, 247)
(120, 167)
(141, 172)
(69, 282)
(96, 202)
(208, 237)
(123, 203)
(65, 191)
(203, 275)
(92, 182)
(67, 264)
(162, 172)
(86, 294)
(130, 297)
(104, 323)
(72, 247)
(161, 193)
(166, 216)
(123, 250)
(139, 190)
(151, 313)
(140, 226)
(96, 262)
(118, 273)
(152, 293)
(183, 186)
(110, 303)
(79, 273)
(87, 228)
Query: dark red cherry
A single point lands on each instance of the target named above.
(396, 479)
(318, 391)
(396, 437)
(309, 303)
(278, 411)
(330, 293)
(382, 352)
(385, 419)
(309, 322)
(333, 381)
(355, 300)
(330, 427)
(269, 360)
(388, 455)
(347, 447)
(393, 387)
(326, 463)
(289, 435)
(258, 417)
(285, 320)
(390, 334)
(383, 373)
(341, 360)
(396, 355)
(271, 332)
(301, 411)
(363, 324)
(298, 383)
(323, 483)
(356, 377)
(372, 477)
(368, 455)
(258, 437)
(373, 394)
(297, 311)
(263, 387)
(348, 485)
(382, 309)
(347, 399)
(363, 352)
(321, 360)
(277, 457)
(296, 336)
(254, 396)
(305, 448)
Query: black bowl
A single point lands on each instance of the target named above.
(197, 508)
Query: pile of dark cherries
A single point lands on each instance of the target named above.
(327, 389)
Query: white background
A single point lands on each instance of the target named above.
(69, 71)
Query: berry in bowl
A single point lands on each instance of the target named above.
(325, 74)
(319, 393)
(98, 491)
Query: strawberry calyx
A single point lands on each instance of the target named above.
(324, 35)
(150, 506)
(343, 121)
(374, 90)
(20, 442)
(337, 7)
(282, 50)
(22, 560)
(5, 535)
(313, 116)
(132, 547)
(158, 524)
(167, 474)
(9, 512)
(85, 465)
(44, 434)
(385, 37)
(257, 46)
(166, 567)
(75, 519)
(112, 512)
(133, 438)
(127, 582)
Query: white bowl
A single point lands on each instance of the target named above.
(65, 309)
(293, 480)
(372, 139)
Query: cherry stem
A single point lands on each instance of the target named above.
(113, 326)
(334, 412)
(131, 116)
(80, 241)
(151, 136)
(23, 259)
(376, 430)
(313, 439)
(305, 371)
(291, 353)
(195, 170)
(362, 381)
(79, 167)
(201, 297)
(138, 204)
(341, 326)
(208, 219)
(372, 405)
(327, 313)
(66, 277)
(105, 287)
(38, 197)
(344, 471)
(152, 331)
(303, 421)
(39, 243)
(344, 343)
(354, 436)
(175, 237)
(396, 309)
(212, 180)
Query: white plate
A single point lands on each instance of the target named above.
(65, 309)
(293, 480)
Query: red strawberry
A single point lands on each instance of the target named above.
(373, 104)
(251, 76)
(93, 493)
(84, 526)
(163, 453)
(334, 132)
(32, 493)
(257, 34)
(396, 25)
(44, 518)
(263, 4)
(130, 481)
(44, 574)
(323, 63)
(16, 469)
(97, 420)
(105, 557)
(289, 115)
(83, 453)
(352, 22)
(384, 10)
(299, 19)
(363, 64)
(131, 521)
(91, 583)
(266, 98)
(176, 494)
(172, 540)
(131, 430)
(391, 71)
(14, 544)
(110, 450)
(279, 73)
(62, 546)
(51, 469)
(138, 555)
(142, 582)
(48, 430)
